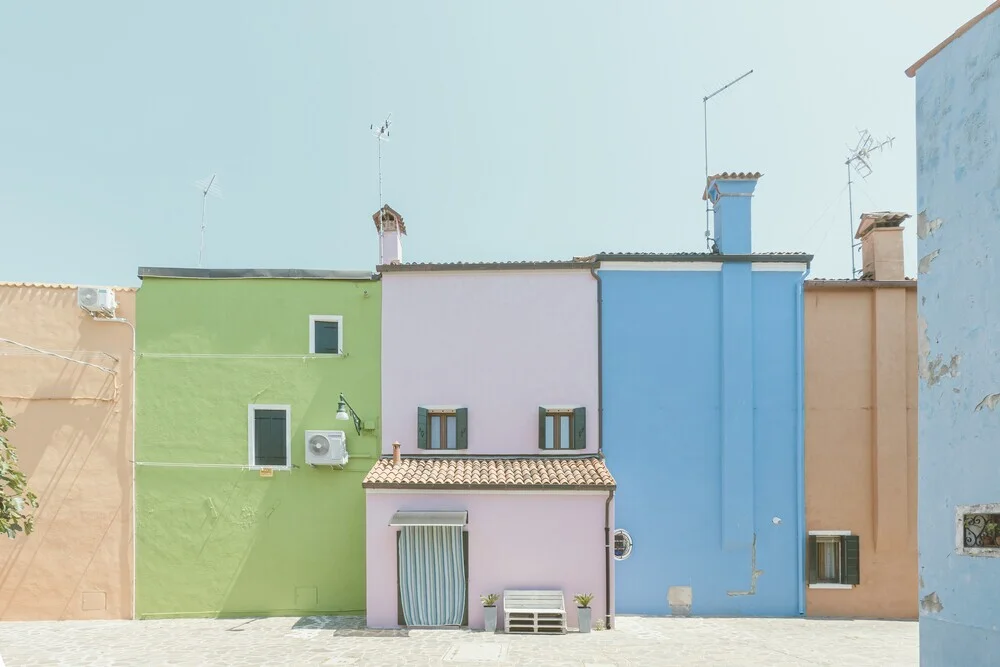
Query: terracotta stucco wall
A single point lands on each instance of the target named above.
(74, 440)
(861, 440)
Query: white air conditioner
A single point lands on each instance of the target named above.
(326, 448)
(97, 300)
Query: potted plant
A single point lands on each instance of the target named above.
(990, 530)
(490, 611)
(583, 610)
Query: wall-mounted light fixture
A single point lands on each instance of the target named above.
(346, 412)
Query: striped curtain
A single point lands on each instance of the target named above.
(432, 575)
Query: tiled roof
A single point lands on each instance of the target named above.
(483, 266)
(62, 286)
(879, 219)
(911, 71)
(736, 176)
(538, 472)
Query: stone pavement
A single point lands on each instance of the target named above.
(637, 641)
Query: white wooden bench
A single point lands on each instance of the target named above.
(534, 611)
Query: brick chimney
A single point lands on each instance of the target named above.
(881, 237)
(390, 226)
(730, 194)
(396, 458)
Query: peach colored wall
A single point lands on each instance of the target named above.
(74, 440)
(861, 440)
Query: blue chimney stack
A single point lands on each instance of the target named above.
(730, 194)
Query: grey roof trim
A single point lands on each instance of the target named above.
(820, 283)
(782, 258)
(484, 266)
(430, 518)
(301, 274)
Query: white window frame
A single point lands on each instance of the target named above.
(976, 552)
(832, 533)
(339, 319)
(251, 409)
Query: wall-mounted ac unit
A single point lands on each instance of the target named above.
(97, 300)
(326, 448)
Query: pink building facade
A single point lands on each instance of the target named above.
(490, 387)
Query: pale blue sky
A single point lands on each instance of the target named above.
(521, 130)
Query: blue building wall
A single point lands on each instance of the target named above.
(958, 200)
(702, 431)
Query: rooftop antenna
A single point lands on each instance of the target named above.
(859, 158)
(207, 186)
(704, 101)
(381, 134)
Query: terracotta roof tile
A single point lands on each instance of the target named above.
(545, 472)
(735, 176)
(62, 286)
(879, 219)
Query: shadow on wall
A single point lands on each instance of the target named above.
(72, 437)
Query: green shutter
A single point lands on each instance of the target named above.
(269, 429)
(851, 557)
(579, 428)
(422, 428)
(462, 428)
(812, 560)
(541, 427)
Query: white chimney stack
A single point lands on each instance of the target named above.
(881, 236)
(391, 229)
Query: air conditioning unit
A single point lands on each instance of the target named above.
(326, 448)
(97, 300)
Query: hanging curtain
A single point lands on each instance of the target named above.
(432, 575)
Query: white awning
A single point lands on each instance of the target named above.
(429, 519)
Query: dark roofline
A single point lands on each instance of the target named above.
(779, 258)
(911, 71)
(846, 283)
(484, 266)
(300, 274)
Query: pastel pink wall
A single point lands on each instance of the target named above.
(501, 343)
(516, 540)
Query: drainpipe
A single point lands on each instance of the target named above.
(607, 559)
(122, 320)
(600, 442)
(800, 433)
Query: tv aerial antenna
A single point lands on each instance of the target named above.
(709, 241)
(381, 134)
(859, 159)
(206, 186)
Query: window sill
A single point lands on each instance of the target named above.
(274, 468)
(840, 587)
(321, 355)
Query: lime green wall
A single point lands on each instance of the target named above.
(216, 539)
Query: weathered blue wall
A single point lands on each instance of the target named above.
(958, 190)
(700, 407)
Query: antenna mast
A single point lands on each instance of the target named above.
(207, 186)
(859, 157)
(381, 134)
(704, 103)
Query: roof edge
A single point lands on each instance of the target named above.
(117, 288)
(911, 71)
(235, 274)
(847, 283)
(486, 266)
(490, 487)
(790, 258)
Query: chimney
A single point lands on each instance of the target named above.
(395, 453)
(391, 229)
(881, 237)
(730, 194)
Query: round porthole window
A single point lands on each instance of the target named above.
(623, 544)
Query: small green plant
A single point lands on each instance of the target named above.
(489, 600)
(583, 599)
(16, 501)
(599, 625)
(991, 529)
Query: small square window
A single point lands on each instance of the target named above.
(326, 335)
(834, 560)
(562, 428)
(980, 531)
(269, 436)
(442, 428)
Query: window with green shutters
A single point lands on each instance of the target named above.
(562, 428)
(269, 436)
(443, 428)
(326, 334)
(834, 560)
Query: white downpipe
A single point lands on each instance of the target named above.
(135, 355)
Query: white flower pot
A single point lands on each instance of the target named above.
(490, 614)
(583, 615)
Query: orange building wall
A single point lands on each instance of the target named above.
(861, 439)
(74, 441)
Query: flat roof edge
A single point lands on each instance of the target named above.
(762, 258)
(209, 274)
(485, 266)
(858, 284)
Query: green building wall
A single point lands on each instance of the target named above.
(213, 536)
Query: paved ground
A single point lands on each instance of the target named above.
(638, 641)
